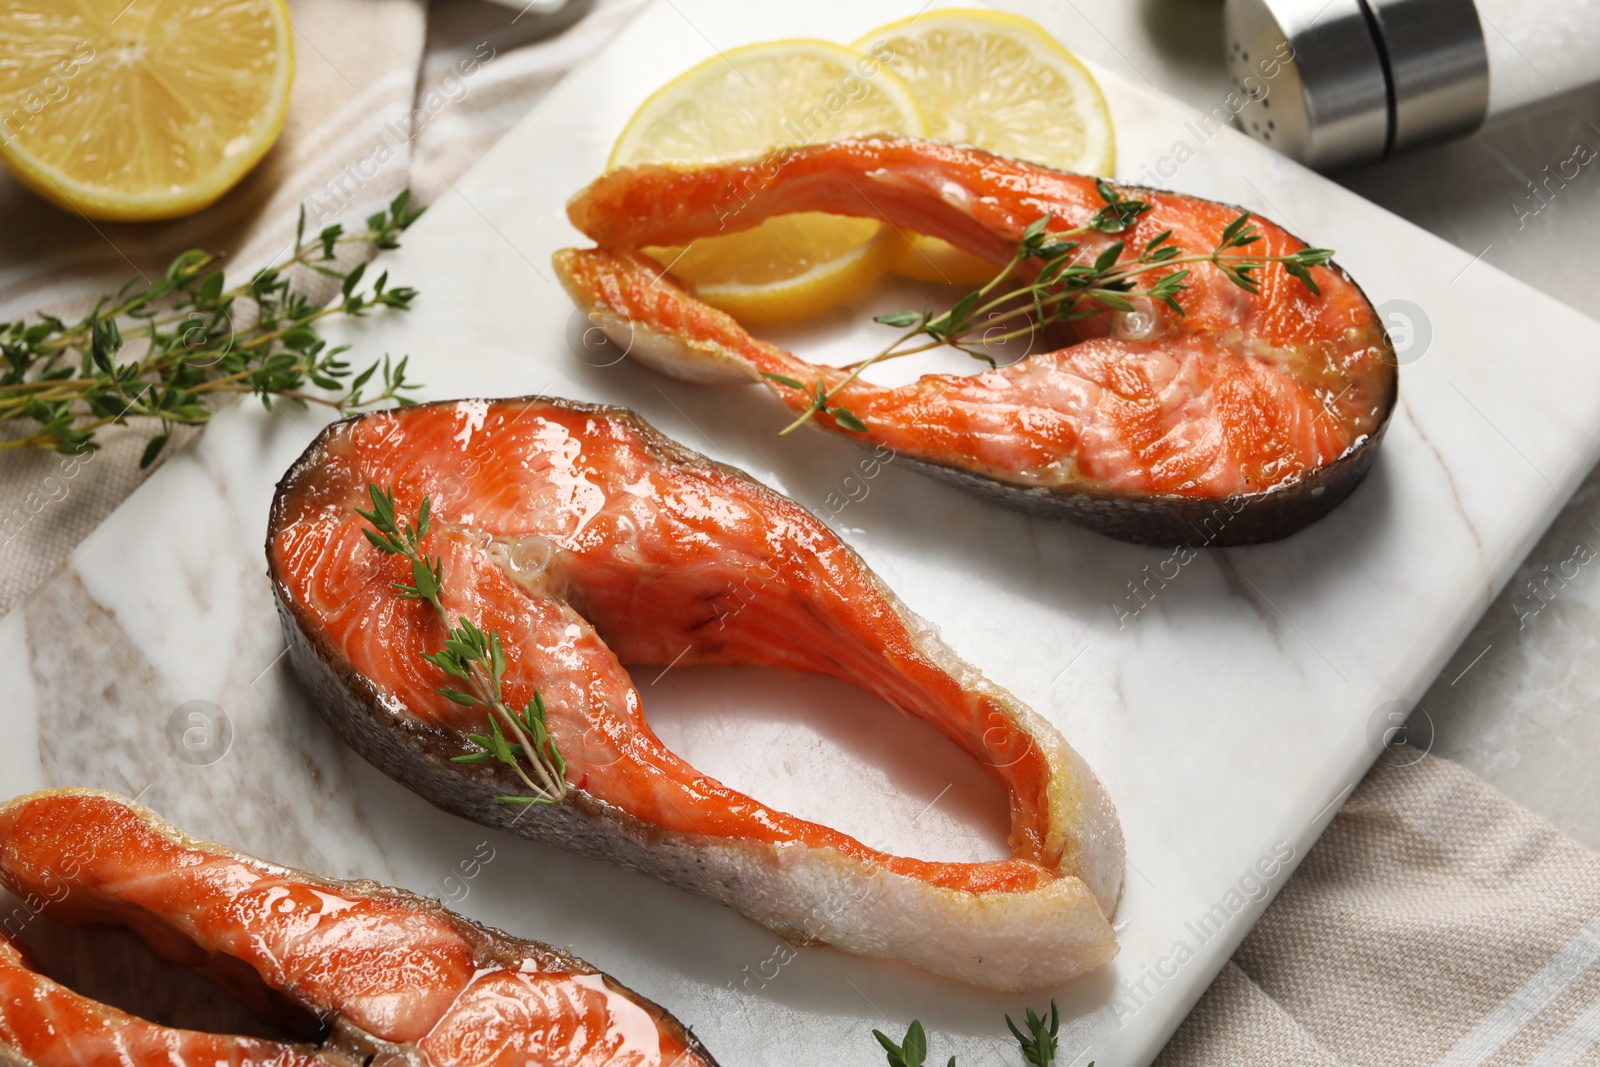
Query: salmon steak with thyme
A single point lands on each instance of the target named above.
(373, 976)
(582, 539)
(1223, 383)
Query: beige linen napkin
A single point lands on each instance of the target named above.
(1434, 923)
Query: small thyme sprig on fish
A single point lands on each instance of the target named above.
(68, 381)
(1063, 290)
(1039, 1043)
(474, 658)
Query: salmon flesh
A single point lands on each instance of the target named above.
(1239, 420)
(588, 540)
(396, 980)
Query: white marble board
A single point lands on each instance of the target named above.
(1228, 717)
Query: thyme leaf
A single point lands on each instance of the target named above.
(911, 1050)
(1039, 1044)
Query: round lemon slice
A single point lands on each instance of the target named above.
(138, 110)
(1001, 83)
(750, 101)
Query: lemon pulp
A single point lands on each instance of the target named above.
(1001, 83)
(141, 110)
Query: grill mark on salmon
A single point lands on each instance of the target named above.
(587, 539)
(1240, 421)
(396, 976)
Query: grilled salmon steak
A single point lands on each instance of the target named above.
(396, 978)
(587, 540)
(1239, 418)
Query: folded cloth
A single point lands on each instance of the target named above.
(519, 63)
(1434, 922)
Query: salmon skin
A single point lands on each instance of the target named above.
(587, 540)
(1239, 421)
(396, 978)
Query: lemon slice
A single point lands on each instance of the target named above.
(1000, 83)
(141, 110)
(789, 266)
(744, 103)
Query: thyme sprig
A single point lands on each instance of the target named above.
(1039, 1043)
(473, 657)
(70, 380)
(1067, 287)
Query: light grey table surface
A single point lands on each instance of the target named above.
(1517, 703)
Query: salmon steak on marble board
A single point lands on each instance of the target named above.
(583, 539)
(1221, 384)
(371, 976)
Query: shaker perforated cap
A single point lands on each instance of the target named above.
(1339, 82)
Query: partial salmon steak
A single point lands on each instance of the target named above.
(1239, 420)
(587, 540)
(393, 978)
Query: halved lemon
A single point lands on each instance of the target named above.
(1001, 83)
(747, 102)
(138, 110)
